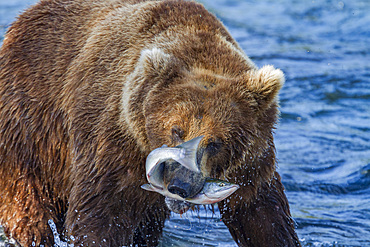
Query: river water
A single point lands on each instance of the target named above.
(323, 138)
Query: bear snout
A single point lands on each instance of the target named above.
(180, 188)
(182, 181)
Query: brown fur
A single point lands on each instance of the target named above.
(89, 88)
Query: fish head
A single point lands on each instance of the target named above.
(218, 189)
(214, 190)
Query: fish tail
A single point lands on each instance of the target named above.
(190, 158)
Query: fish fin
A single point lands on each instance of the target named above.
(149, 187)
(190, 158)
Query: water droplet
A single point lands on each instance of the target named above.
(57, 240)
(341, 5)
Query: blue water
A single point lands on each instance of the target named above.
(323, 138)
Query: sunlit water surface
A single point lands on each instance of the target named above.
(323, 138)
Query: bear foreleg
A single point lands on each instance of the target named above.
(262, 221)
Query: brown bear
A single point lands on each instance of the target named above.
(89, 88)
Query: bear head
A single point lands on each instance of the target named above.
(166, 101)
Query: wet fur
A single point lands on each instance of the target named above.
(89, 88)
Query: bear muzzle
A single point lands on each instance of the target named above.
(180, 188)
(182, 181)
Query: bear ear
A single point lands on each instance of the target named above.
(265, 84)
(156, 62)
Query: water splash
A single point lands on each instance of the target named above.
(57, 241)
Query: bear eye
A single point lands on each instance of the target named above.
(177, 133)
(213, 147)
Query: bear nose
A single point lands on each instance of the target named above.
(178, 187)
